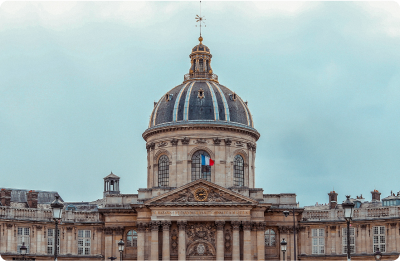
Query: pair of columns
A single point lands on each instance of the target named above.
(247, 246)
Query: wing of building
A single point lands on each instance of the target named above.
(201, 200)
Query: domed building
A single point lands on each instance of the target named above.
(201, 117)
(201, 202)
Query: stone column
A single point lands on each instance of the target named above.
(108, 238)
(247, 240)
(39, 236)
(141, 230)
(10, 236)
(261, 241)
(165, 243)
(182, 240)
(69, 240)
(154, 240)
(220, 239)
(235, 240)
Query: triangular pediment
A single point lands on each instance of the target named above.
(201, 192)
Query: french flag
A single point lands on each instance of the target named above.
(206, 161)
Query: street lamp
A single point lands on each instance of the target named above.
(56, 207)
(23, 250)
(283, 248)
(348, 207)
(121, 245)
(286, 213)
(378, 255)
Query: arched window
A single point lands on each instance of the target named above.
(163, 171)
(269, 237)
(238, 171)
(199, 171)
(131, 238)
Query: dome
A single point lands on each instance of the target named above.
(201, 99)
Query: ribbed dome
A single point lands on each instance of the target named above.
(196, 101)
(200, 99)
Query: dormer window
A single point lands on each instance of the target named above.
(233, 96)
(200, 93)
(168, 96)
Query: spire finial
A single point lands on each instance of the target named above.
(200, 19)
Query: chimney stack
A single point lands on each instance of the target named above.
(5, 197)
(376, 195)
(32, 198)
(332, 199)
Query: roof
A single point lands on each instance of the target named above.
(44, 197)
(198, 100)
(112, 175)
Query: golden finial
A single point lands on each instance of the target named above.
(201, 39)
(200, 19)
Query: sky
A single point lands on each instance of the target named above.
(322, 80)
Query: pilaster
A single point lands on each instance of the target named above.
(182, 240)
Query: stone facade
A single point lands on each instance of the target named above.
(201, 200)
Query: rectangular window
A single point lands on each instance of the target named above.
(51, 235)
(84, 242)
(379, 239)
(23, 237)
(318, 241)
(344, 240)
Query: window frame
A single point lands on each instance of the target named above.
(196, 170)
(318, 237)
(352, 240)
(238, 171)
(84, 237)
(269, 236)
(133, 241)
(50, 247)
(379, 236)
(163, 171)
(23, 237)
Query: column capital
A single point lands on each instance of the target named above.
(261, 226)
(246, 225)
(254, 226)
(220, 225)
(141, 227)
(166, 225)
(235, 225)
(182, 225)
(154, 225)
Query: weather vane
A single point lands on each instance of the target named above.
(200, 19)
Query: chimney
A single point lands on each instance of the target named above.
(5, 197)
(32, 198)
(376, 195)
(332, 199)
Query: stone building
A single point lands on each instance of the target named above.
(201, 200)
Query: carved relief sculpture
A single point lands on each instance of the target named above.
(217, 141)
(185, 141)
(162, 144)
(228, 142)
(174, 242)
(174, 142)
(200, 141)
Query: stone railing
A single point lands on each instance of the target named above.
(46, 215)
(361, 213)
(200, 75)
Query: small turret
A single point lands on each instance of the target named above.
(111, 184)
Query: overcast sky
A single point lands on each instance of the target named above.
(78, 81)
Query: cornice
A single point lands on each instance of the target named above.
(189, 125)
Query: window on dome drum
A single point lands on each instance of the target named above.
(238, 171)
(131, 238)
(379, 239)
(84, 242)
(198, 171)
(318, 241)
(163, 171)
(50, 241)
(269, 237)
(344, 240)
(23, 237)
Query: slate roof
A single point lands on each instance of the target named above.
(185, 105)
(44, 197)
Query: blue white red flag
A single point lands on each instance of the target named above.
(206, 161)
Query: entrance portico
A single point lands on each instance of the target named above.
(221, 226)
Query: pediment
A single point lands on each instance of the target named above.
(201, 192)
